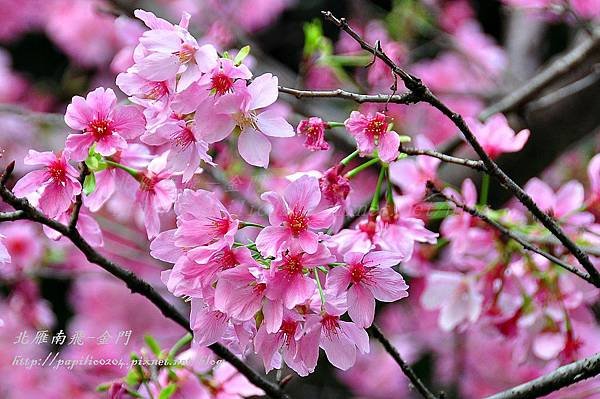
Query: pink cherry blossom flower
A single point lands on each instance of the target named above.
(314, 130)
(339, 339)
(168, 50)
(220, 80)
(293, 219)
(207, 225)
(566, 204)
(455, 295)
(228, 383)
(282, 344)
(156, 193)
(496, 136)
(412, 174)
(291, 279)
(86, 225)
(399, 234)
(370, 277)
(187, 149)
(208, 324)
(240, 108)
(335, 189)
(21, 240)
(58, 182)
(102, 123)
(371, 133)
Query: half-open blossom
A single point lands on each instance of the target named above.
(240, 108)
(314, 130)
(371, 133)
(496, 136)
(455, 295)
(565, 204)
(57, 181)
(291, 280)
(293, 219)
(156, 193)
(369, 276)
(102, 123)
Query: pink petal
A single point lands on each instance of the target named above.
(272, 124)
(338, 280)
(303, 193)
(254, 147)
(270, 239)
(30, 183)
(388, 146)
(389, 286)
(263, 91)
(129, 121)
(361, 305)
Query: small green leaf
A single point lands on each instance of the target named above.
(102, 387)
(167, 391)
(89, 184)
(132, 378)
(152, 344)
(92, 162)
(241, 55)
(405, 139)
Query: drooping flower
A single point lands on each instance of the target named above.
(369, 277)
(455, 295)
(58, 182)
(102, 123)
(314, 130)
(371, 133)
(156, 193)
(339, 339)
(293, 220)
(496, 136)
(291, 280)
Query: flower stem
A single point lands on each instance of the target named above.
(183, 341)
(375, 201)
(321, 293)
(335, 124)
(127, 169)
(362, 167)
(485, 188)
(349, 158)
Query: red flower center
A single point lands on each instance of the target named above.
(297, 222)
(157, 90)
(377, 127)
(220, 225)
(147, 183)
(292, 264)
(330, 323)
(259, 289)
(100, 129)
(369, 227)
(227, 259)
(221, 83)
(358, 273)
(58, 172)
(186, 53)
(16, 247)
(288, 329)
(183, 138)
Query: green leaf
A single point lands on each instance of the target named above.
(405, 139)
(89, 184)
(167, 391)
(132, 378)
(241, 55)
(92, 162)
(313, 36)
(152, 344)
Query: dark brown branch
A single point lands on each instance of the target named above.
(134, 283)
(406, 369)
(550, 74)
(11, 216)
(425, 95)
(405, 98)
(509, 234)
(552, 382)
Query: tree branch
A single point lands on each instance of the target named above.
(507, 233)
(551, 382)
(406, 369)
(470, 163)
(133, 282)
(79, 199)
(405, 98)
(423, 94)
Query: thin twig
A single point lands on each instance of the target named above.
(79, 199)
(405, 98)
(552, 382)
(406, 369)
(507, 233)
(135, 284)
(423, 93)
(470, 163)
(11, 216)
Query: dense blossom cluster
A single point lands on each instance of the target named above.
(302, 266)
